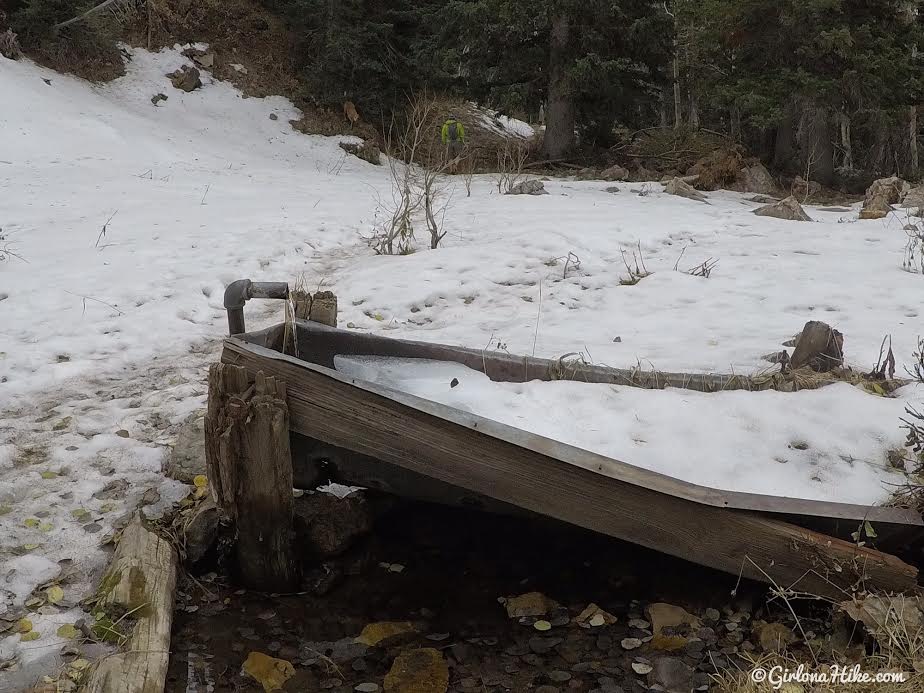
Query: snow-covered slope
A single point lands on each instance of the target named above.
(105, 336)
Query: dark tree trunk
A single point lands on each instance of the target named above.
(784, 149)
(559, 128)
(817, 146)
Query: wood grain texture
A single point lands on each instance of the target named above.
(249, 465)
(140, 580)
(393, 427)
(319, 344)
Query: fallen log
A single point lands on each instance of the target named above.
(140, 585)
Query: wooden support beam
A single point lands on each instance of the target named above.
(249, 466)
(464, 450)
(140, 582)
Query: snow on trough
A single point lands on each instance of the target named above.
(130, 218)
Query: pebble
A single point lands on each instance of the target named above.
(359, 665)
(641, 668)
(630, 643)
(559, 676)
(547, 689)
(367, 688)
(713, 614)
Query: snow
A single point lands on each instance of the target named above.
(784, 444)
(105, 338)
(502, 124)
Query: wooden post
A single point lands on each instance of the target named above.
(141, 582)
(324, 308)
(249, 465)
(302, 302)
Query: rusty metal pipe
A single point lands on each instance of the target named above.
(237, 293)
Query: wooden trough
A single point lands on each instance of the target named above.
(280, 415)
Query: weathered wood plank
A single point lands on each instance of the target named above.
(140, 581)
(360, 417)
(249, 466)
(319, 344)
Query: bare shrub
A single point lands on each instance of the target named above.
(9, 45)
(511, 160)
(418, 182)
(635, 267)
(913, 260)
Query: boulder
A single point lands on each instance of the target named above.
(914, 197)
(893, 190)
(818, 346)
(528, 187)
(881, 195)
(614, 173)
(330, 525)
(186, 78)
(755, 179)
(784, 209)
(677, 187)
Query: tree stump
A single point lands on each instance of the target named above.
(249, 465)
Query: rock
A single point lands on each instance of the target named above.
(330, 525)
(755, 179)
(418, 671)
(612, 189)
(559, 676)
(365, 151)
(200, 530)
(892, 190)
(803, 189)
(269, 671)
(671, 673)
(385, 632)
(186, 78)
(614, 173)
(594, 617)
(819, 346)
(205, 60)
(187, 459)
(630, 643)
(642, 668)
(677, 187)
(273, 116)
(587, 174)
(663, 616)
(157, 98)
(784, 209)
(528, 187)
(914, 197)
(875, 208)
(367, 688)
(529, 604)
(773, 637)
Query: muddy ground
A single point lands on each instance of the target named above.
(444, 570)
